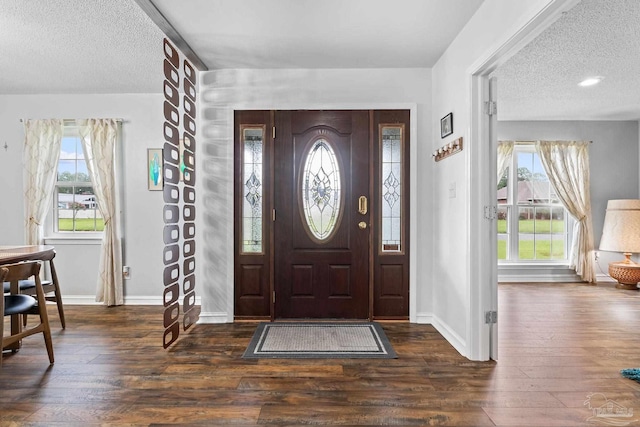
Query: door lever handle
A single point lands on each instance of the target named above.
(363, 205)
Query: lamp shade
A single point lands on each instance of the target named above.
(621, 231)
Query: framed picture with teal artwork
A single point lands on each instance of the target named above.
(154, 169)
(181, 152)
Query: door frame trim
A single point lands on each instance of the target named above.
(482, 265)
(413, 178)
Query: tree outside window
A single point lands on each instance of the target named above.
(533, 226)
(75, 208)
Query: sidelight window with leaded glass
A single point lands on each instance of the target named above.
(252, 189)
(391, 188)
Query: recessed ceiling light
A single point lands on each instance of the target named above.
(590, 81)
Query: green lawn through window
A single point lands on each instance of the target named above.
(540, 249)
(542, 226)
(82, 224)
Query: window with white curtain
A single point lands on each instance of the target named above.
(533, 225)
(74, 210)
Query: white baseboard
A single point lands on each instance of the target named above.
(214, 317)
(128, 300)
(453, 338)
(424, 318)
(543, 278)
(539, 273)
(450, 335)
(538, 278)
(80, 300)
(605, 278)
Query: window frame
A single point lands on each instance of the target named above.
(512, 207)
(51, 221)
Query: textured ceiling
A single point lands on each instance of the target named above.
(595, 38)
(78, 46)
(318, 33)
(111, 46)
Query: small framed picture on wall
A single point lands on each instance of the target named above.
(446, 125)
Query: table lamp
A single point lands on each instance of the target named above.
(621, 233)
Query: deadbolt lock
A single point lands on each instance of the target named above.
(362, 225)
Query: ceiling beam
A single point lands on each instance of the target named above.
(165, 26)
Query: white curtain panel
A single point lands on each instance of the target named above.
(99, 141)
(567, 165)
(505, 151)
(40, 156)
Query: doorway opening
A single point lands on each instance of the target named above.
(483, 186)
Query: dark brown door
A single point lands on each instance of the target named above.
(321, 181)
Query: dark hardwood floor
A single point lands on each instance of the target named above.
(559, 344)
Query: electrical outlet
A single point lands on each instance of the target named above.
(126, 272)
(596, 255)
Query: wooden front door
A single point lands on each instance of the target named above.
(321, 243)
(321, 214)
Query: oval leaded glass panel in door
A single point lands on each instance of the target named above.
(321, 191)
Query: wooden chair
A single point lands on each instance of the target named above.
(51, 289)
(15, 304)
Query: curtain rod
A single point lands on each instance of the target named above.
(73, 120)
(533, 142)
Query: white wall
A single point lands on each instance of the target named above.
(77, 265)
(223, 91)
(613, 161)
(493, 26)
